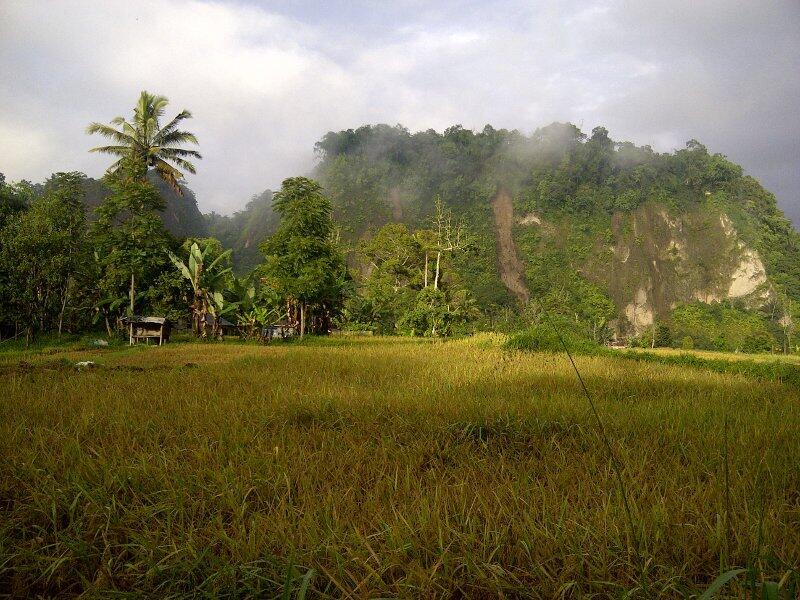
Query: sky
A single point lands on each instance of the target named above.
(265, 80)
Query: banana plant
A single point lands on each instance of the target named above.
(219, 308)
(208, 281)
(250, 316)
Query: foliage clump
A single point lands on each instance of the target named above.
(303, 264)
(545, 338)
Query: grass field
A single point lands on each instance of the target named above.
(793, 359)
(387, 468)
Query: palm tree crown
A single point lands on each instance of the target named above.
(144, 140)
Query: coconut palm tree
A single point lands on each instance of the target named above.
(151, 145)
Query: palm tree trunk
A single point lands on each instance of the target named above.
(436, 280)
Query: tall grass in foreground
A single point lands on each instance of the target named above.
(551, 338)
(383, 469)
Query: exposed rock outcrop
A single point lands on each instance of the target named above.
(659, 261)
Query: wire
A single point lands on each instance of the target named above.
(615, 462)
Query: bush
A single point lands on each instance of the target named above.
(543, 338)
(687, 343)
(721, 326)
(757, 342)
(663, 336)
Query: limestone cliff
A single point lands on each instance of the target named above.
(651, 261)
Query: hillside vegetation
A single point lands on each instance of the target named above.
(612, 236)
(462, 231)
(245, 230)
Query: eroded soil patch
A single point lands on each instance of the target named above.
(512, 271)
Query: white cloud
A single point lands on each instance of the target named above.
(264, 83)
(21, 145)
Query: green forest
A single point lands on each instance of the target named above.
(425, 234)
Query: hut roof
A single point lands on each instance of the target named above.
(222, 321)
(139, 319)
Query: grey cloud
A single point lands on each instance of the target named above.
(266, 80)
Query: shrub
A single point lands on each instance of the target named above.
(757, 342)
(721, 326)
(544, 338)
(663, 336)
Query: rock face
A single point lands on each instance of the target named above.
(749, 275)
(530, 219)
(652, 261)
(639, 312)
(661, 260)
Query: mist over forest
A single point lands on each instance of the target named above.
(620, 240)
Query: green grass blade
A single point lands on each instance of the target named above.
(720, 582)
(287, 584)
(304, 585)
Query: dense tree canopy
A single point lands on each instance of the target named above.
(302, 261)
(44, 254)
(399, 234)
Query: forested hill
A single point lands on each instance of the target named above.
(578, 223)
(245, 230)
(181, 216)
(616, 238)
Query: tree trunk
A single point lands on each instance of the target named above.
(201, 320)
(436, 279)
(199, 315)
(63, 306)
(132, 294)
(302, 319)
(426, 269)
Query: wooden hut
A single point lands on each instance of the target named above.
(225, 326)
(148, 328)
(281, 331)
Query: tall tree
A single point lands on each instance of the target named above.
(449, 237)
(393, 260)
(302, 260)
(131, 243)
(14, 199)
(130, 238)
(44, 249)
(144, 140)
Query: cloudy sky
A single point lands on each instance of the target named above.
(266, 79)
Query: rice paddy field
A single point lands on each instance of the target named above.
(390, 468)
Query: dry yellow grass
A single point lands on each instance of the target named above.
(713, 355)
(391, 468)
